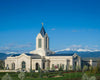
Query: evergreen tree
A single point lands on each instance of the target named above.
(31, 72)
(66, 68)
(6, 77)
(85, 68)
(61, 68)
(40, 72)
(53, 67)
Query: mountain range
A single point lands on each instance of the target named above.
(81, 52)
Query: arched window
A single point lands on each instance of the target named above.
(13, 66)
(46, 42)
(7, 66)
(43, 65)
(68, 64)
(75, 65)
(39, 43)
(23, 65)
(37, 66)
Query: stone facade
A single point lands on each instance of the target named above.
(42, 57)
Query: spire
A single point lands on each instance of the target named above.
(42, 31)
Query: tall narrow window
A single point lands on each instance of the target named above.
(7, 66)
(13, 66)
(46, 42)
(43, 65)
(68, 64)
(39, 43)
(37, 66)
(23, 65)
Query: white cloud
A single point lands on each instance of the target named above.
(53, 29)
(11, 52)
(76, 46)
(13, 48)
(23, 46)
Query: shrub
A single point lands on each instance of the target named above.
(53, 67)
(85, 77)
(78, 68)
(66, 68)
(31, 72)
(36, 75)
(2, 65)
(39, 69)
(60, 72)
(70, 67)
(85, 68)
(61, 68)
(92, 78)
(21, 76)
(40, 72)
(58, 66)
(6, 77)
(48, 68)
(95, 70)
(90, 68)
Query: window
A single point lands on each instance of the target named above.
(68, 64)
(7, 66)
(23, 65)
(43, 65)
(37, 66)
(13, 66)
(46, 42)
(39, 43)
(62, 66)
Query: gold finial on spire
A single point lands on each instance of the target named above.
(42, 23)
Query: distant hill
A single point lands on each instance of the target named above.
(4, 56)
(82, 54)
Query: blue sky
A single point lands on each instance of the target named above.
(68, 23)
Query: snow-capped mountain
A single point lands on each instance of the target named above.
(78, 50)
(81, 52)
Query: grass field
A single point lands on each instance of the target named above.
(35, 76)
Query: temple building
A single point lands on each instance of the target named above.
(42, 57)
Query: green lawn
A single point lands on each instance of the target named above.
(34, 76)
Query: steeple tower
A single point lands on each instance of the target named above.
(42, 41)
(42, 32)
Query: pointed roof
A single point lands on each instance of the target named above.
(43, 32)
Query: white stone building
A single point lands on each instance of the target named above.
(42, 57)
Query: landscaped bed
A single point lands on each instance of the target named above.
(50, 76)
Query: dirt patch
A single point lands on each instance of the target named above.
(58, 76)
